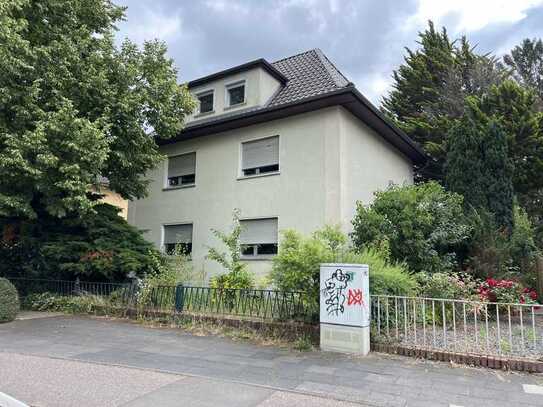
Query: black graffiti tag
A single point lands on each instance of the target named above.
(334, 292)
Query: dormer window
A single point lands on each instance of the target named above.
(235, 94)
(206, 101)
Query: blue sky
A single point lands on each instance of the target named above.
(364, 38)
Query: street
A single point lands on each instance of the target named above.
(78, 361)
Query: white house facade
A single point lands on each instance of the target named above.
(291, 144)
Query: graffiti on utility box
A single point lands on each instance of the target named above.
(344, 295)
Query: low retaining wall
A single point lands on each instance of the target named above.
(492, 362)
(289, 330)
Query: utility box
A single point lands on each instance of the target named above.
(345, 308)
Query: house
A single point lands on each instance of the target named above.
(292, 144)
(111, 197)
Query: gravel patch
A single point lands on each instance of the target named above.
(519, 341)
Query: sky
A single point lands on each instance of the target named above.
(365, 39)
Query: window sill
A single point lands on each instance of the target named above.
(198, 115)
(178, 187)
(268, 174)
(263, 257)
(234, 106)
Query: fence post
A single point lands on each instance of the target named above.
(539, 271)
(179, 297)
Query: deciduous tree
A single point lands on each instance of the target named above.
(74, 107)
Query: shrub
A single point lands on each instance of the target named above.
(423, 225)
(9, 301)
(297, 265)
(100, 246)
(83, 304)
(457, 286)
(237, 275)
(498, 253)
(507, 291)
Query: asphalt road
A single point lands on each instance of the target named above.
(71, 361)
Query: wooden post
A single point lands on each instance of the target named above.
(539, 271)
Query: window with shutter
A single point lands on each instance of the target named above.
(258, 237)
(178, 238)
(260, 156)
(182, 170)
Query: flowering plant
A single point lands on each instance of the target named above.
(507, 291)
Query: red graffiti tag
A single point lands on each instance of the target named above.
(355, 297)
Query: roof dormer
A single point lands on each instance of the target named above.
(240, 88)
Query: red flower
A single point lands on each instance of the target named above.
(491, 282)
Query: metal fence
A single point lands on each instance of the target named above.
(27, 286)
(263, 304)
(500, 329)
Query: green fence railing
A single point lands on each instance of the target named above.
(254, 303)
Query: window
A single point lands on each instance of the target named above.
(206, 101)
(258, 237)
(178, 236)
(260, 156)
(235, 94)
(182, 170)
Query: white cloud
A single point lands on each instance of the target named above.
(151, 25)
(471, 15)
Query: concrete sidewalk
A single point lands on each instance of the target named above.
(221, 372)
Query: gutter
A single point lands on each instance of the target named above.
(348, 96)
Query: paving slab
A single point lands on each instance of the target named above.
(42, 381)
(379, 379)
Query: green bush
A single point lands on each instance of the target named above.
(497, 253)
(423, 225)
(297, 265)
(456, 286)
(9, 301)
(100, 246)
(385, 278)
(83, 304)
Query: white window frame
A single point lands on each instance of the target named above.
(163, 235)
(231, 85)
(166, 163)
(267, 174)
(205, 93)
(261, 256)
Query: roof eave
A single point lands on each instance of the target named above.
(240, 68)
(348, 97)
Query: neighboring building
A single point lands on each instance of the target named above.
(111, 197)
(292, 144)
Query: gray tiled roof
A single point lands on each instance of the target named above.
(309, 74)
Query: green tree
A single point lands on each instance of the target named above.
(101, 246)
(422, 225)
(74, 107)
(526, 61)
(430, 87)
(514, 107)
(478, 165)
